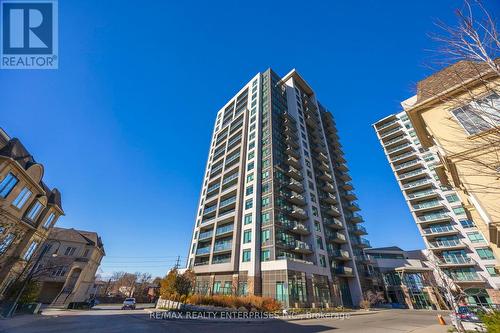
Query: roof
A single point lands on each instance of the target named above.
(450, 77)
(17, 151)
(77, 236)
(388, 248)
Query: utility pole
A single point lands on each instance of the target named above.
(177, 263)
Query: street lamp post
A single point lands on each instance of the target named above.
(32, 271)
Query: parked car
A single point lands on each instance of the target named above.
(467, 313)
(129, 303)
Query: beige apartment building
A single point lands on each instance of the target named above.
(28, 210)
(277, 214)
(456, 113)
(67, 271)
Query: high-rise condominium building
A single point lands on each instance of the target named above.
(459, 248)
(276, 214)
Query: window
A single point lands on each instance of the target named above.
(265, 202)
(475, 237)
(317, 226)
(217, 287)
(247, 219)
(322, 260)
(479, 116)
(69, 251)
(315, 211)
(467, 224)
(265, 218)
(21, 199)
(485, 253)
(459, 210)
(266, 163)
(265, 255)
(452, 198)
(31, 249)
(251, 155)
(86, 252)
(249, 177)
(265, 175)
(266, 235)
(33, 212)
(249, 190)
(250, 166)
(246, 255)
(247, 236)
(319, 242)
(248, 204)
(49, 220)
(7, 184)
(5, 243)
(491, 270)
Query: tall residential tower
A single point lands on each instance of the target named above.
(459, 248)
(276, 214)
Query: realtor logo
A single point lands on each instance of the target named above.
(29, 34)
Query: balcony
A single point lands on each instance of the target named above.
(311, 121)
(440, 231)
(227, 203)
(294, 162)
(318, 148)
(323, 166)
(392, 133)
(353, 207)
(205, 235)
(433, 218)
(291, 141)
(350, 196)
(296, 186)
(209, 211)
(356, 218)
(203, 251)
(290, 129)
(427, 206)
(297, 199)
(336, 237)
(465, 277)
(413, 174)
(292, 152)
(341, 255)
(447, 244)
(224, 230)
(359, 230)
(407, 165)
(344, 271)
(302, 247)
(332, 210)
(404, 157)
(333, 223)
(399, 139)
(323, 157)
(453, 261)
(365, 259)
(294, 173)
(298, 213)
(362, 243)
(418, 184)
(344, 176)
(300, 229)
(329, 198)
(400, 148)
(325, 176)
(327, 187)
(426, 194)
(347, 186)
(388, 125)
(222, 247)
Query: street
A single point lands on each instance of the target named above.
(111, 319)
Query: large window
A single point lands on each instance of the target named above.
(475, 237)
(485, 253)
(7, 184)
(480, 115)
(21, 199)
(246, 255)
(5, 243)
(266, 235)
(265, 255)
(33, 212)
(49, 220)
(31, 250)
(247, 236)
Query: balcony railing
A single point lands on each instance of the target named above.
(227, 202)
(429, 204)
(411, 174)
(230, 178)
(439, 229)
(399, 138)
(386, 134)
(341, 254)
(344, 270)
(203, 250)
(205, 235)
(407, 164)
(420, 194)
(402, 156)
(455, 260)
(417, 183)
(224, 229)
(209, 209)
(446, 243)
(223, 246)
(465, 276)
(433, 217)
(392, 150)
(386, 125)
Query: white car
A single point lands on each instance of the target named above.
(129, 303)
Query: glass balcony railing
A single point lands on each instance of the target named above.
(417, 183)
(230, 178)
(224, 229)
(205, 235)
(232, 158)
(397, 139)
(203, 250)
(210, 209)
(411, 174)
(340, 254)
(420, 194)
(386, 134)
(213, 187)
(387, 124)
(464, 276)
(402, 156)
(428, 204)
(392, 150)
(223, 246)
(432, 217)
(438, 229)
(407, 164)
(446, 243)
(455, 260)
(227, 202)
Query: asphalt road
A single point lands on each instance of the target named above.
(107, 319)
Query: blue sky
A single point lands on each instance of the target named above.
(106, 123)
